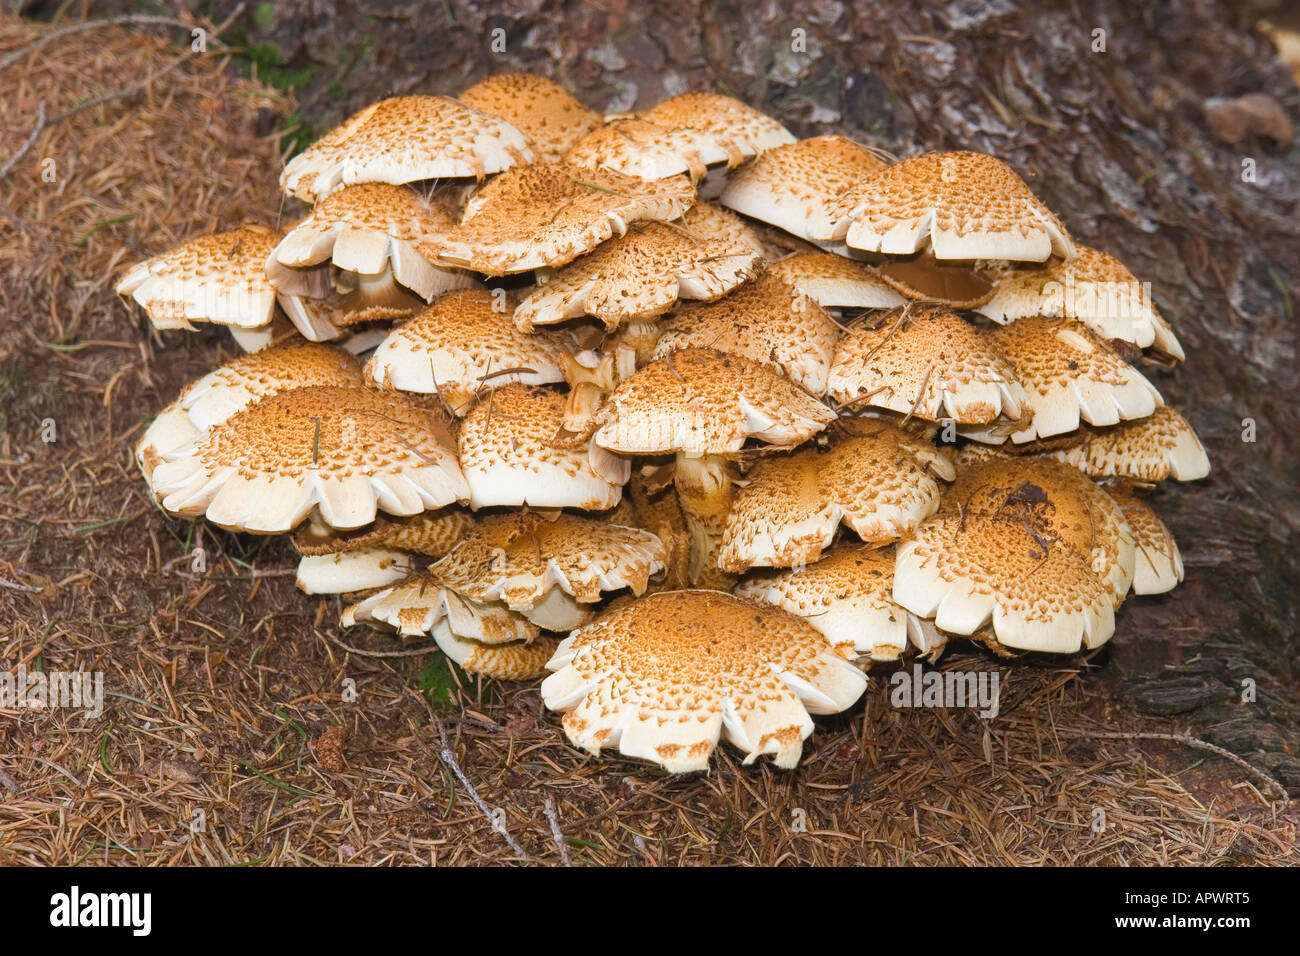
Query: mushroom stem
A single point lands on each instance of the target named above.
(704, 489)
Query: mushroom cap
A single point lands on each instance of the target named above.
(464, 342)
(234, 386)
(704, 402)
(766, 321)
(967, 572)
(545, 112)
(549, 214)
(346, 451)
(836, 282)
(403, 140)
(965, 205)
(1096, 289)
(518, 559)
(484, 639)
(791, 505)
(218, 278)
(664, 677)
(1069, 374)
(360, 569)
(709, 222)
(1158, 564)
(1058, 504)
(792, 185)
(369, 229)
(924, 278)
(635, 147)
(1163, 445)
(639, 275)
(847, 595)
(512, 453)
(742, 130)
(432, 533)
(926, 362)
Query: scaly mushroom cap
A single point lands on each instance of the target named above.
(234, 386)
(1096, 289)
(966, 205)
(657, 509)
(1159, 564)
(549, 214)
(545, 112)
(346, 451)
(929, 363)
(1039, 595)
(464, 343)
(424, 604)
(709, 222)
(647, 150)
(742, 130)
(834, 281)
(519, 559)
(512, 453)
(403, 140)
(639, 275)
(369, 229)
(432, 533)
(219, 278)
(1058, 504)
(1150, 449)
(664, 677)
(791, 186)
(791, 505)
(1069, 373)
(848, 596)
(705, 402)
(766, 321)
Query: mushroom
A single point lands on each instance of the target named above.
(234, 386)
(926, 362)
(548, 215)
(1151, 449)
(552, 570)
(924, 278)
(792, 185)
(1096, 289)
(702, 405)
(512, 453)
(219, 279)
(836, 282)
(875, 478)
(639, 275)
(545, 112)
(766, 321)
(1069, 374)
(337, 562)
(635, 147)
(665, 677)
(1058, 503)
(1158, 564)
(462, 344)
(344, 451)
(1030, 550)
(402, 140)
(847, 594)
(369, 232)
(962, 205)
(484, 639)
(742, 131)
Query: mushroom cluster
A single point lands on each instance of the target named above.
(697, 418)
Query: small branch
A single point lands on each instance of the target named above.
(133, 19)
(553, 817)
(26, 147)
(413, 652)
(449, 759)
